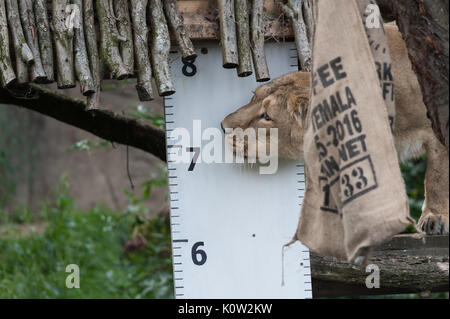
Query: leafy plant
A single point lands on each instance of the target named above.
(34, 266)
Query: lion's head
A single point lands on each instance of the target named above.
(281, 104)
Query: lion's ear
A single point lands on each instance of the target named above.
(297, 105)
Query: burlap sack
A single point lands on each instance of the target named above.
(355, 196)
(376, 36)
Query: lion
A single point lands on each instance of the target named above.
(283, 104)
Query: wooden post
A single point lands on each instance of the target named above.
(45, 39)
(176, 23)
(160, 48)
(144, 68)
(92, 51)
(243, 36)
(109, 38)
(228, 34)
(23, 54)
(82, 68)
(37, 73)
(63, 39)
(257, 41)
(124, 27)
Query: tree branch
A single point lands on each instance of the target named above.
(425, 28)
(406, 264)
(100, 122)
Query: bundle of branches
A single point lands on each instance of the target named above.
(242, 32)
(31, 31)
(300, 12)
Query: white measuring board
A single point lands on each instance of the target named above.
(228, 222)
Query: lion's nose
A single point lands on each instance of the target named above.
(221, 125)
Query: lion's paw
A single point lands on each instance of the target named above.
(434, 224)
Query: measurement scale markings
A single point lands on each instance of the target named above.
(180, 240)
(176, 183)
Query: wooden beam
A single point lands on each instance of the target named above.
(407, 264)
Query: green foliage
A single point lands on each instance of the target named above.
(413, 172)
(34, 266)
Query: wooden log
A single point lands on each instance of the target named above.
(257, 41)
(23, 55)
(63, 40)
(228, 34)
(82, 68)
(294, 10)
(407, 264)
(309, 20)
(7, 75)
(92, 51)
(243, 38)
(124, 28)
(37, 73)
(176, 24)
(144, 68)
(45, 38)
(110, 40)
(160, 48)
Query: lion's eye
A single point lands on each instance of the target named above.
(266, 116)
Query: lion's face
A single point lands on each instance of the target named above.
(281, 104)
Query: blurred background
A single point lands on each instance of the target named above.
(68, 197)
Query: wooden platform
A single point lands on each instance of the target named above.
(202, 22)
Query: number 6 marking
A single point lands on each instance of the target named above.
(198, 252)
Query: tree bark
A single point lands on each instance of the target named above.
(109, 38)
(7, 75)
(144, 67)
(63, 39)
(257, 41)
(23, 54)
(176, 23)
(82, 67)
(92, 50)
(228, 33)
(37, 73)
(243, 37)
(406, 264)
(45, 39)
(124, 27)
(425, 28)
(160, 49)
(294, 9)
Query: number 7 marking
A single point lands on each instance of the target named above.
(196, 151)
